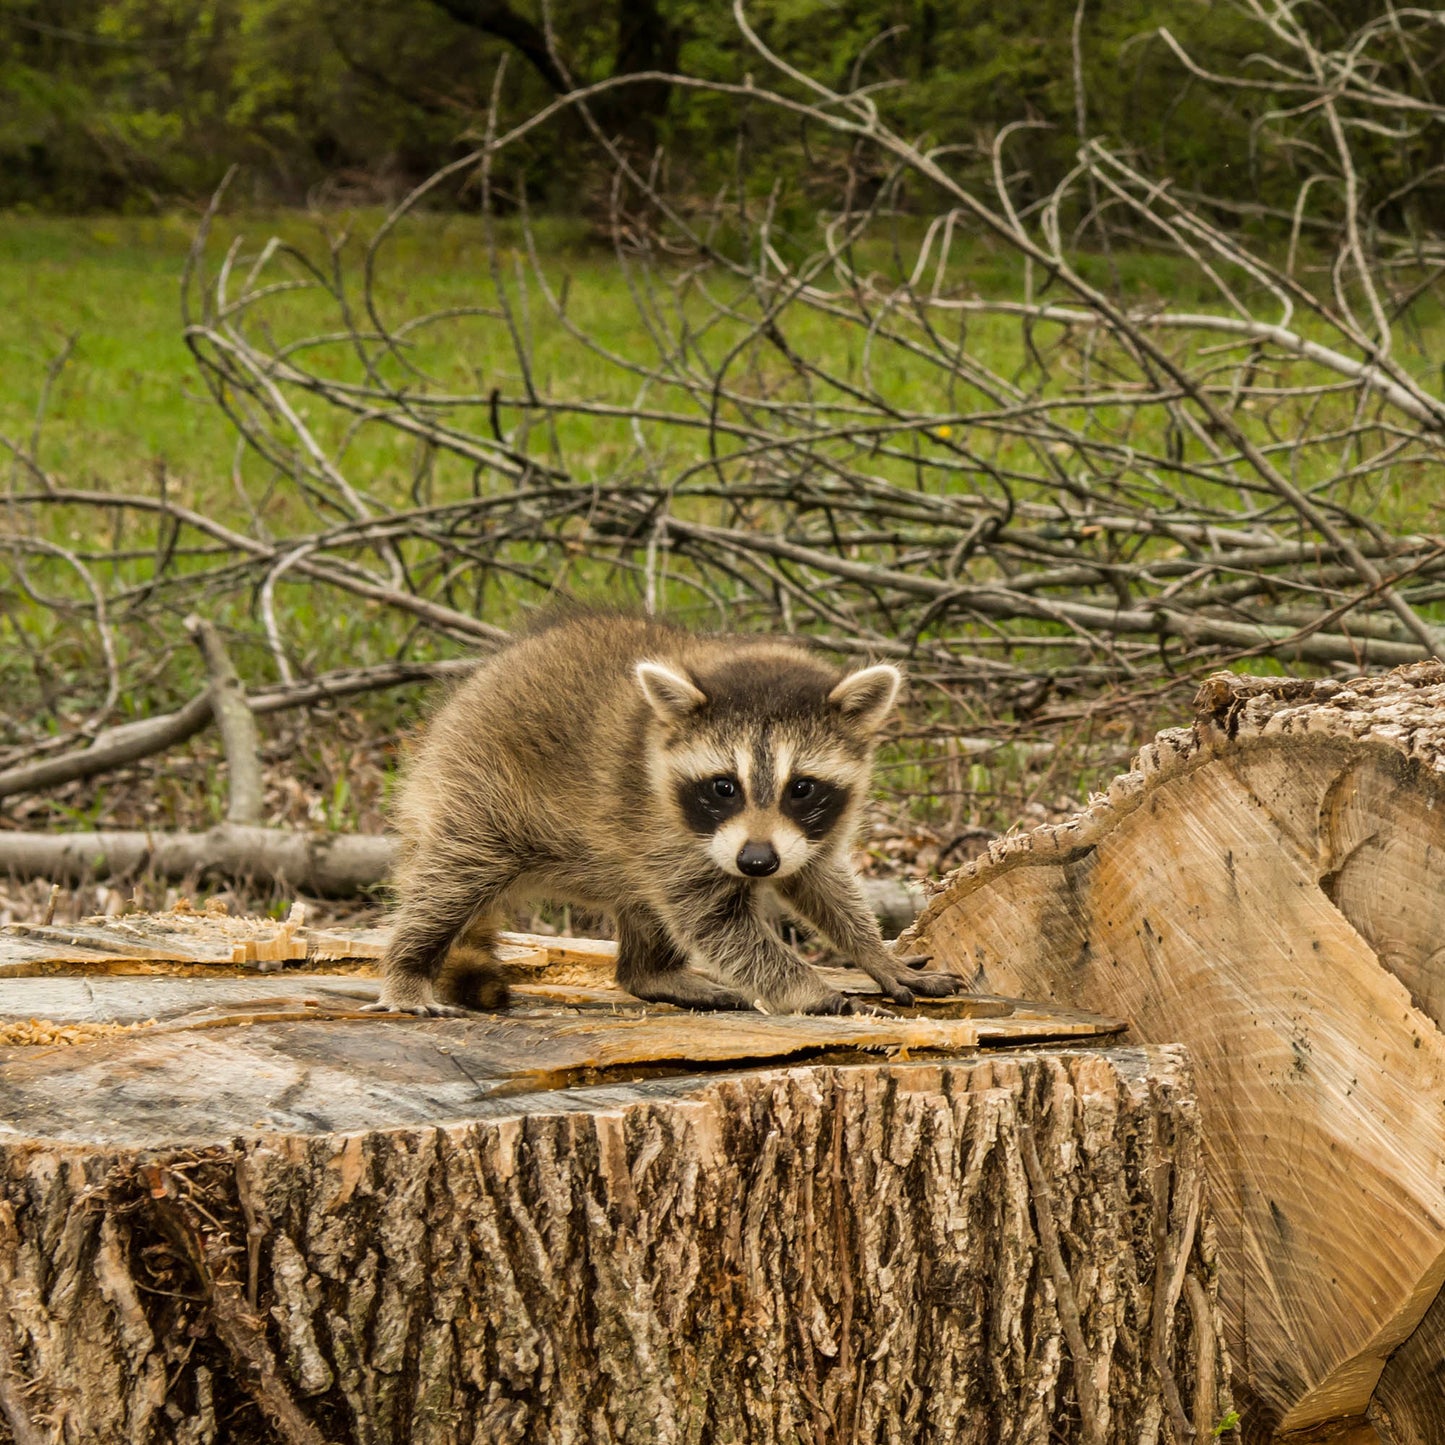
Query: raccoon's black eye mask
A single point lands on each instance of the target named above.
(707, 803)
(814, 805)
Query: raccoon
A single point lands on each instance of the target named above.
(691, 786)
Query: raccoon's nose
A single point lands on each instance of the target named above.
(757, 860)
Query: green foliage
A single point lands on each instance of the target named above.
(964, 72)
(121, 104)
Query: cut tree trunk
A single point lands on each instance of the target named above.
(1266, 888)
(264, 1216)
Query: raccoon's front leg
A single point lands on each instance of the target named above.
(729, 929)
(829, 896)
(651, 966)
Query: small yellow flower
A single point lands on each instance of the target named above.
(943, 432)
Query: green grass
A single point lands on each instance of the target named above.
(130, 398)
(121, 405)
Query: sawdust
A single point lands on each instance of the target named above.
(43, 1032)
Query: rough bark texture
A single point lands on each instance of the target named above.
(1000, 1248)
(1265, 888)
(1409, 1401)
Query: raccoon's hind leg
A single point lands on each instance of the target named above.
(438, 904)
(652, 967)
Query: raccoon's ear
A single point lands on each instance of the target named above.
(867, 697)
(673, 696)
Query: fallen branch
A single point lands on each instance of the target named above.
(329, 865)
(238, 727)
(326, 864)
(134, 742)
(121, 746)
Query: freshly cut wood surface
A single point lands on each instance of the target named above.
(201, 1084)
(203, 1057)
(184, 935)
(1266, 889)
(296, 1054)
(212, 938)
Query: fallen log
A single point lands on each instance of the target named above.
(1265, 888)
(325, 865)
(266, 1217)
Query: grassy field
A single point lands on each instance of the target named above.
(130, 398)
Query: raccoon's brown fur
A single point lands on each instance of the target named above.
(690, 786)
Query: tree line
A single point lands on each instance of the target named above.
(136, 104)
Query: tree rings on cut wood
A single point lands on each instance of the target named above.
(260, 1215)
(1266, 889)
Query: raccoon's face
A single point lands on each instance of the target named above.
(766, 772)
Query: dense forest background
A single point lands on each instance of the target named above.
(133, 105)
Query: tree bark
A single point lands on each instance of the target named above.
(232, 1208)
(1264, 888)
(990, 1248)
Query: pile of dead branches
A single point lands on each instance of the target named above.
(1063, 493)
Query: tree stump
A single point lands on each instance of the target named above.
(1265, 888)
(233, 1209)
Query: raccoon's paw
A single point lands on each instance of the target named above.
(896, 991)
(903, 980)
(920, 985)
(413, 997)
(935, 985)
(723, 1001)
(433, 1010)
(686, 989)
(834, 1003)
